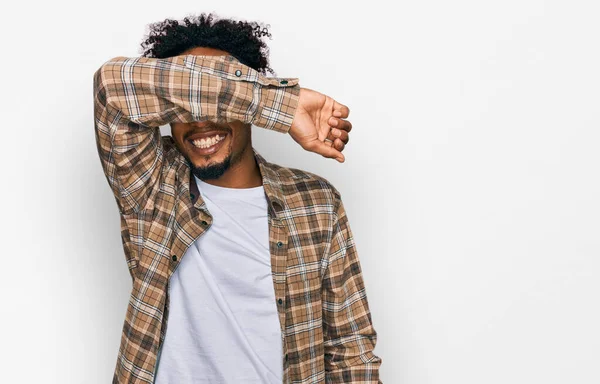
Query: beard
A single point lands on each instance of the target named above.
(215, 170)
(212, 171)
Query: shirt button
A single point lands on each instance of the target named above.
(238, 73)
(279, 244)
(174, 257)
(280, 301)
(204, 222)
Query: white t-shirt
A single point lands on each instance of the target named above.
(223, 325)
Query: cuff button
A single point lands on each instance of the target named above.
(238, 73)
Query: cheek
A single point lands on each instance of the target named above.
(240, 135)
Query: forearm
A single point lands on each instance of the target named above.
(186, 88)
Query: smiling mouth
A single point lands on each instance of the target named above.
(205, 144)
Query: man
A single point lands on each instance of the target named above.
(243, 271)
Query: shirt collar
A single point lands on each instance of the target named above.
(270, 180)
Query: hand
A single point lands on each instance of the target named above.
(319, 124)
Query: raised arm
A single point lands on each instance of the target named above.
(133, 97)
(349, 335)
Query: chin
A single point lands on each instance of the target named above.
(211, 169)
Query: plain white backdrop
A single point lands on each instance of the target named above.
(471, 179)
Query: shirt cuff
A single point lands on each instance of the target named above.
(278, 105)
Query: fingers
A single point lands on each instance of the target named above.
(337, 139)
(340, 135)
(340, 110)
(326, 149)
(337, 144)
(340, 124)
(331, 152)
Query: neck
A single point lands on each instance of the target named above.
(244, 173)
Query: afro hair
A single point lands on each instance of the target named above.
(241, 39)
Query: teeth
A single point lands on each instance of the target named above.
(208, 142)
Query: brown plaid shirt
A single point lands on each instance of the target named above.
(326, 326)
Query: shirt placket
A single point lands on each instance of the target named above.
(278, 244)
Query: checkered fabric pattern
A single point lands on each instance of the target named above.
(326, 326)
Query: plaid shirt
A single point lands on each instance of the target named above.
(326, 327)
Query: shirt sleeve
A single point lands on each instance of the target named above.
(349, 335)
(134, 96)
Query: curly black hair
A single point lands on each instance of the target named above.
(241, 39)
